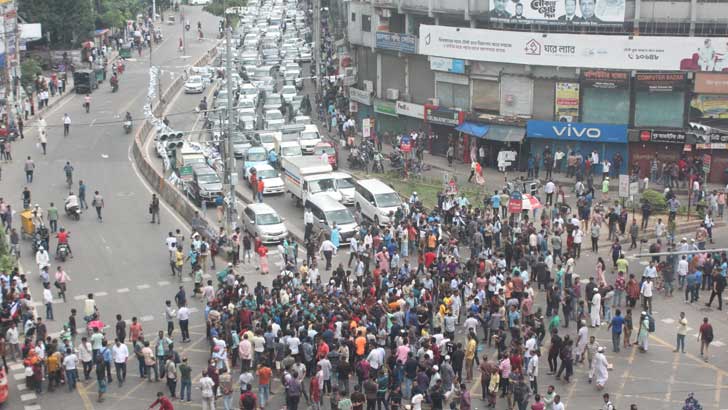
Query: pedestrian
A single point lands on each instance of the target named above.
(163, 402)
(29, 169)
(120, 353)
(226, 389)
(82, 194)
(48, 300)
(170, 368)
(53, 217)
(599, 371)
(169, 314)
(100, 378)
(66, 124)
(98, 203)
(183, 317)
(154, 209)
(208, 395)
(21, 127)
(705, 337)
(616, 325)
(185, 376)
(682, 331)
(70, 365)
(42, 140)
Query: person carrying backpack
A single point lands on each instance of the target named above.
(705, 336)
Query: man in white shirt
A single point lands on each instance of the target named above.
(646, 292)
(48, 301)
(66, 124)
(308, 223)
(183, 318)
(682, 271)
(376, 358)
(549, 189)
(171, 242)
(328, 249)
(120, 354)
(70, 364)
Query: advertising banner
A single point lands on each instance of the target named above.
(450, 65)
(586, 12)
(360, 96)
(576, 131)
(663, 136)
(575, 50)
(567, 102)
(403, 43)
(411, 110)
(661, 82)
(709, 106)
(711, 83)
(443, 116)
(385, 107)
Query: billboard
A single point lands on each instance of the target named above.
(575, 50)
(709, 106)
(581, 13)
(661, 82)
(566, 101)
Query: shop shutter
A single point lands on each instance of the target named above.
(659, 109)
(445, 94)
(486, 95)
(605, 106)
(543, 99)
(453, 95)
(516, 96)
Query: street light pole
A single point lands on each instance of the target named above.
(229, 149)
(317, 41)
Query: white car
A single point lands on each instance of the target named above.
(195, 84)
(287, 93)
(272, 182)
(274, 120)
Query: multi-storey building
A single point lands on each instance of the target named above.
(612, 76)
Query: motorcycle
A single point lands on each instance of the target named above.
(396, 161)
(127, 126)
(62, 252)
(73, 212)
(187, 27)
(114, 85)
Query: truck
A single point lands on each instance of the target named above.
(305, 177)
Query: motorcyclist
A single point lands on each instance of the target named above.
(87, 103)
(114, 81)
(62, 237)
(71, 203)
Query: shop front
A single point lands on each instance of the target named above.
(411, 115)
(360, 103)
(714, 155)
(494, 141)
(584, 138)
(441, 122)
(385, 112)
(667, 145)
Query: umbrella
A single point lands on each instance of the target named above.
(96, 324)
(530, 202)
(88, 44)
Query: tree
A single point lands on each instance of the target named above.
(218, 7)
(30, 68)
(69, 22)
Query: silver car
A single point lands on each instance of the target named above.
(262, 220)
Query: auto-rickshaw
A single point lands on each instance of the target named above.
(84, 81)
(26, 222)
(125, 52)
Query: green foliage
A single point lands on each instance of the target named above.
(69, 22)
(30, 68)
(7, 262)
(656, 199)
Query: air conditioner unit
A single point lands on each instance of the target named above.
(368, 86)
(433, 101)
(392, 94)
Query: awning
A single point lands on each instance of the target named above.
(505, 133)
(473, 128)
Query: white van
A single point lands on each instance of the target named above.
(327, 212)
(309, 138)
(375, 200)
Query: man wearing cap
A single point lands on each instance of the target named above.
(600, 369)
(596, 307)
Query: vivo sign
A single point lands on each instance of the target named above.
(574, 131)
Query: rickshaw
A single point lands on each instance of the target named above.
(28, 228)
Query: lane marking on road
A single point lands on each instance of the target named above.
(28, 397)
(32, 407)
(92, 123)
(147, 318)
(122, 290)
(102, 293)
(19, 376)
(144, 286)
(186, 279)
(79, 297)
(163, 283)
(21, 386)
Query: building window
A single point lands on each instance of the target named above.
(353, 17)
(366, 23)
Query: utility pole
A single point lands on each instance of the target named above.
(182, 24)
(9, 83)
(317, 41)
(230, 221)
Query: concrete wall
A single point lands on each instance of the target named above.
(421, 79)
(354, 31)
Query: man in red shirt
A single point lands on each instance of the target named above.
(62, 237)
(163, 402)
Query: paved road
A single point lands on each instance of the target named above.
(122, 260)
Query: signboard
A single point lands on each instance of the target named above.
(366, 128)
(709, 106)
(663, 136)
(661, 82)
(410, 110)
(403, 43)
(559, 12)
(185, 173)
(569, 50)
(360, 96)
(566, 102)
(442, 116)
(711, 83)
(515, 203)
(353, 106)
(707, 160)
(576, 131)
(623, 186)
(385, 107)
(604, 79)
(634, 188)
(450, 65)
